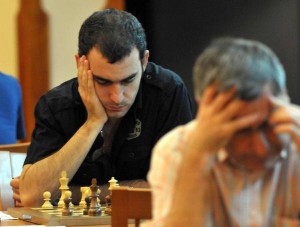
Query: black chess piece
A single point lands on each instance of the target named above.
(95, 209)
(107, 205)
(88, 202)
(67, 210)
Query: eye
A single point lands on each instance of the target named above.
(102, 82)
(128, 80)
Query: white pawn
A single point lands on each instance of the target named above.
(112, 183)
(47, 204)
(82, 203)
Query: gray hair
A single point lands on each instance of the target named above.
(246, 64)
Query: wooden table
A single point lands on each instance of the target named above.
(54, 217)
(18, 222)
(43, 218)
(14, 222)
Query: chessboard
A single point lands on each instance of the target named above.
(65, 213)
(54, 217)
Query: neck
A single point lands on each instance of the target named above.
(111, 127)
(113, 121)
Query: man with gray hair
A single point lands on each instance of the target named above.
(237, 163)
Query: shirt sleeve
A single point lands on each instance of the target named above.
(163, 171)
(46, 137)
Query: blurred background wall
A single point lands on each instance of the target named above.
(64, 20)
(38, 41)
(8, 37)
(179, 30)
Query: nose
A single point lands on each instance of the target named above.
(117, 93)
(260, 144)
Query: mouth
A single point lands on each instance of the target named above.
(116, 108)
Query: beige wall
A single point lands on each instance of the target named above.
(65, 18)
(8, 47)
(64, 24)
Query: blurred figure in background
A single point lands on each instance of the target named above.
(11, 110)
(237, 163)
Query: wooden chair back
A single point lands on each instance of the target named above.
(130, 203)
(12, 157)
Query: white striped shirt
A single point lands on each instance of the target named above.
(240, 198)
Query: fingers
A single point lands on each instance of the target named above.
(291, 130)
(85, 79)
(18, 204)
(220, 99)
(214, 101)
(83, 68)
(86, 71)
(222, 105)
(285, 116)
(16, 196)
(87, 91)
(243, 122)
(80, 68)
(233, 109)
(288, 129)
(209, 94)
(219, 118)
(285, 119)
(14, 183)
(90, 81)
(224, 98)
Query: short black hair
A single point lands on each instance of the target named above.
(114, 33)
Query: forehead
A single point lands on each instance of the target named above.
(116, 71)
(260, 105)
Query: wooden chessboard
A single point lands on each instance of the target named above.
(54, 217)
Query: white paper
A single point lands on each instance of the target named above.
(4, 216)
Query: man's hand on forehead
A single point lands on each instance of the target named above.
(285, 119)
(219, 118)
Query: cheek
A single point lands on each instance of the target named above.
(131, 90)
(101, 92)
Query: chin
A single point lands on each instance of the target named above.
(116, 115)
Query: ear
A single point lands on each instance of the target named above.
(77, 58)
(145, 59)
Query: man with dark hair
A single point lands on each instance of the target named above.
(237, 163)
(105, 122)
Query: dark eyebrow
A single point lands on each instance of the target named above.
(100, 78)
